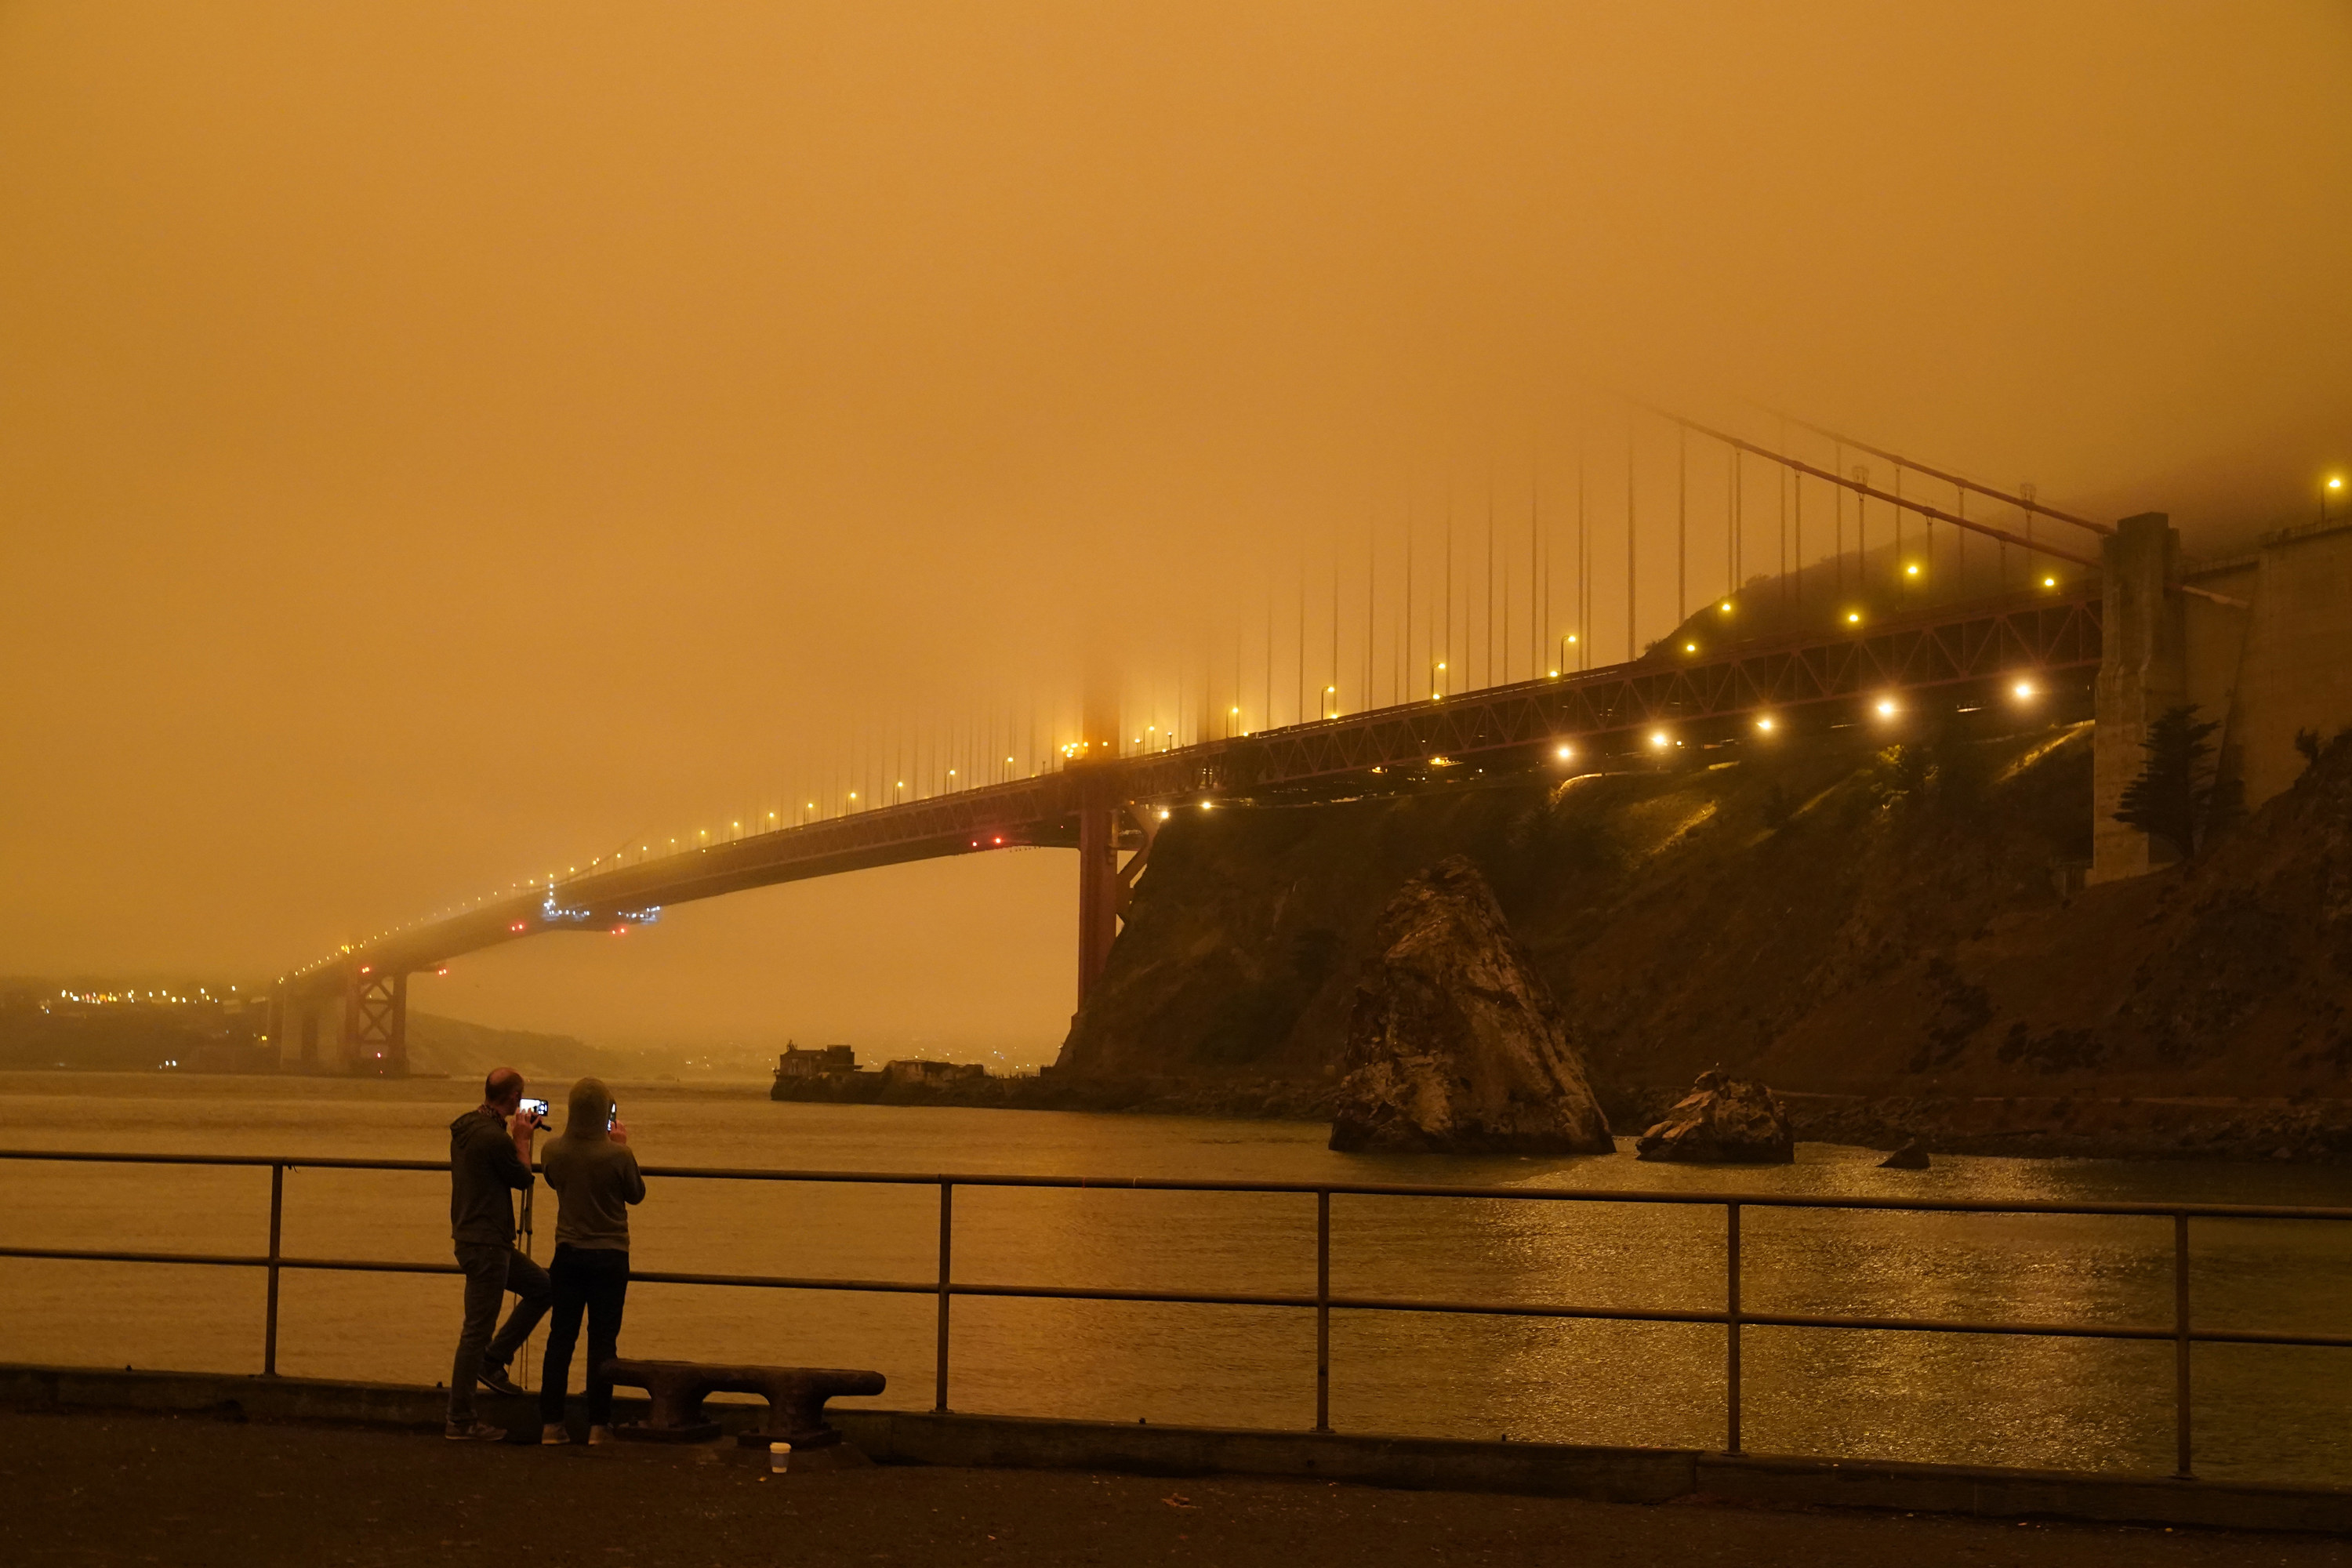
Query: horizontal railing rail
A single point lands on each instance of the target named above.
(1732, 1316)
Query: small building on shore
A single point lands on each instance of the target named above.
(815, 1062)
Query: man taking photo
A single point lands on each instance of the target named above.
(490, 1158)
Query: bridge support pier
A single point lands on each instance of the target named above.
(375, 1022)
(1098, 891)
(2143, 670)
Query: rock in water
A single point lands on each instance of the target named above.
(1455, 1046)
(1722, 1122)
(1910, 1157)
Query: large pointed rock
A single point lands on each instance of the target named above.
(1455, 1045)
(1722, 1122)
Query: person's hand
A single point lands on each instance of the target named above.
(523, 1125)
(620, 1133)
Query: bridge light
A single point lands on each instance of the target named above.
(1440, 664)
(1571, 637)
(2050, 582)
(1690, 647)
(1912, 570)
(1207, 803)
(2335, 484)
(2023, 689)
(1725, 607)
(1657, 738)
(1854, 617)
(1164, 813)
(1555, 675)
(1565, 752)
(1886, 708)
(1765, 723)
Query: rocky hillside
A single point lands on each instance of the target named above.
(1835, 917)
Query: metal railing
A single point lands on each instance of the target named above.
(944, 1288)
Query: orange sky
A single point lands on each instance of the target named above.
(439, 441)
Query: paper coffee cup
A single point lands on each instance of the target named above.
(780, 1457)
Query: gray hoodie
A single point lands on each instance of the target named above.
(595, 1179)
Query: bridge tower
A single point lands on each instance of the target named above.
(375, 1022)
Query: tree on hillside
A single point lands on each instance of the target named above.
(2178, 797)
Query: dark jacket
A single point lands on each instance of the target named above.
(483, 1169)
(595, 1179)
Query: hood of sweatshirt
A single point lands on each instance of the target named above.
(585, 1115)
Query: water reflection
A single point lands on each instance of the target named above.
(2261, 1412)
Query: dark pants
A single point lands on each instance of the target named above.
(490, 1273)
(594, 1279)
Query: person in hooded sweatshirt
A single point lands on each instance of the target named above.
(594, 1175)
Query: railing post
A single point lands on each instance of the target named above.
(1731, 1328)
(1323, 1311)
(276, 1228)
(946, 1235)
(2180, 1343)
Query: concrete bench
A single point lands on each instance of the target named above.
(795, 1397)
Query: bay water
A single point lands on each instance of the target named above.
(2260, 1413)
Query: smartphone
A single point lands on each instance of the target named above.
(537, 1108)
(612, 1113)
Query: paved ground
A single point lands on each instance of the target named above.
(88, 1488)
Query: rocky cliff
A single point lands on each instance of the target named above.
(1453, 1043)
(1840, 918)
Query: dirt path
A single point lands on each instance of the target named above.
(83, 1489)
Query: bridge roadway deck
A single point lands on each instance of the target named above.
(1953, 645)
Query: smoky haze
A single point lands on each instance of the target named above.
(439, 445)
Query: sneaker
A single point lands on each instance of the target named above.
(552, 1434)
(600, 1434)
(496, 1380)
(473, 1432)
